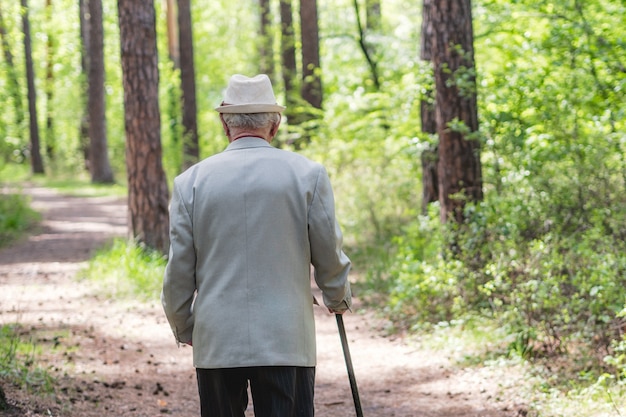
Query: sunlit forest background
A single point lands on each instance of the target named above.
(540, 261)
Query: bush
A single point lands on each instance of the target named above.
(16, 217)
(17, 361)
(128, 269)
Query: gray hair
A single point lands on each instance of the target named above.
(250, 120)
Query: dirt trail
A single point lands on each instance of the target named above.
(118, 358)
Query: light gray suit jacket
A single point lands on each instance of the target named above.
(245, 226)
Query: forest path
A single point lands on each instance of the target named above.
(118, 357)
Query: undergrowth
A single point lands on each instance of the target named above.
(16, 217)
(127, 269)
(18, 361)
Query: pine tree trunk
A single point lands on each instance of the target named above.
(99, 157)
(148, 195)
(311, 88)
(459, 168)
(173, 98)
(288, 54)
(266, 49)
(191, 151)
(173, 44)
(35, 153)
(50, 139)
(429, 158)
(84, 65)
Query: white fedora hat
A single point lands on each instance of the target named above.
(249, 95)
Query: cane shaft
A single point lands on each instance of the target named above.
(346, 354)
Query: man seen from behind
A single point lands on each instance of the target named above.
(245, 227)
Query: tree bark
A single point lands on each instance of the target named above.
(148, 194)
(459, 168)
(266, 49)
(99, 154)
(191, 151)
(288, 54)
(429, 158)
(173, 103)
(173, 44)
(84, 63)
(50, 139)
(311, 88)
(35, 153)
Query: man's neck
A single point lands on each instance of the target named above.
(247, 134)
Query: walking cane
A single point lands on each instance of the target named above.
(346, 354)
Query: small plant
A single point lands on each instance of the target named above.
(128, 269)
(18, 361)
(16, 217)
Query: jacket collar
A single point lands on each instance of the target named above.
(247, 142)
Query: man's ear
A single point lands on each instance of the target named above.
(226, 130)
(274, 129)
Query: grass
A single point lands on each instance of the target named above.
(126, 269)
(18, 361)
(16, 217)
(11, 173)
(598, 400)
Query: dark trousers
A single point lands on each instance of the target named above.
(277, 391)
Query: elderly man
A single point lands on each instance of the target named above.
(245, 226)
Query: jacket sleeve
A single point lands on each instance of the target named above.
(331, 263)
(179, 282)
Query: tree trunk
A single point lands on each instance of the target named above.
(459, 169)
(35, 153)
(148, 195)
(13, 85)
(191, 152)
(99, 157)
(84, 65)
(288, 54)
(266, 49)
(311, 88)
(173, 45)
(173, 99)
(50, 139)
(429, 159)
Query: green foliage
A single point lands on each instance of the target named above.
(544, 254)
(424, 286)
(127, 269)
(17, 361)
(16, 217)
(617, 359)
